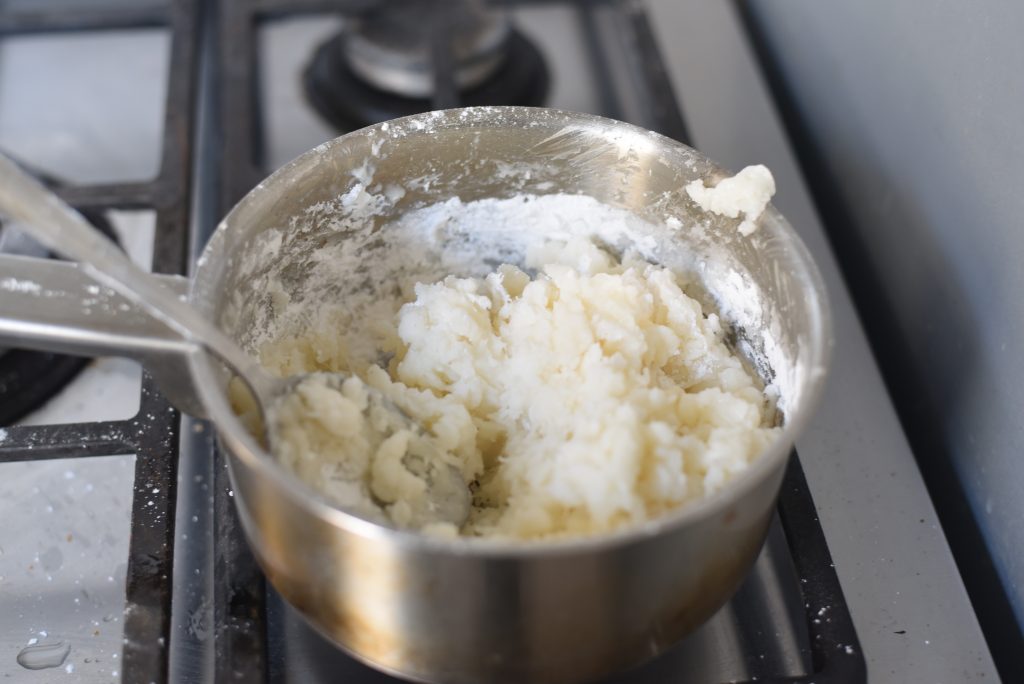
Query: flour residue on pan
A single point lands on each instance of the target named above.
(351, 261)
(355, 260)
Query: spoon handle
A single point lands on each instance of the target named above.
(53, 222)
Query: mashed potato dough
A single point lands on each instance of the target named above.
(348, 441)
(592, 395)
(746, 193)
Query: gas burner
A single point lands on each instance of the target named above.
(28, 379)
(411, 56)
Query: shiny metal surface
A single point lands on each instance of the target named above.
(14, 241)
(472, 610)
(394, 48)
(760, 633)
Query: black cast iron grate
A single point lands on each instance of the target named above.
(152, 434)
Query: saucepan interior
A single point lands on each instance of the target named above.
(338, 210)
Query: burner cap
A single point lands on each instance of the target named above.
(349, 102)
(394, 47)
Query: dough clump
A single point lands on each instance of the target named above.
(370, 460)
(591, 396)
(747, 193)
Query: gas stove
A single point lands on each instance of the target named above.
(122, 558)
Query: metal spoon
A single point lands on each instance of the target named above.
(56, 224)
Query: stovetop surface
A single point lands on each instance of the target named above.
(63, 549)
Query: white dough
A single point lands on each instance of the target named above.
(747, 193)
(592, 396)
(344, 440)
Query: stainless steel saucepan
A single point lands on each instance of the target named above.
(468, 610)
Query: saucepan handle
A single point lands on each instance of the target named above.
(54, 306)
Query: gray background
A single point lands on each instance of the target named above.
(915, 112)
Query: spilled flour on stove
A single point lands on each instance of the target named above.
(575, 395)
